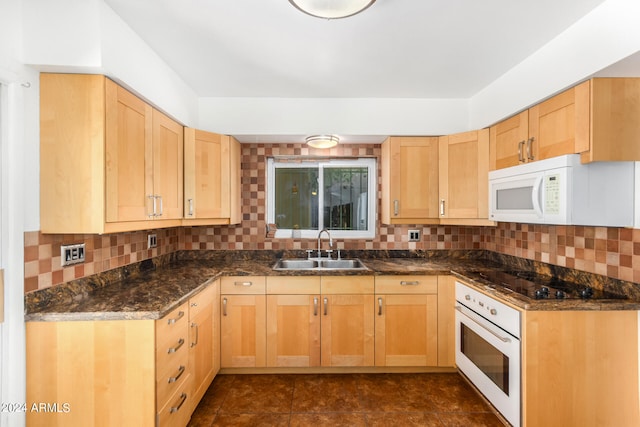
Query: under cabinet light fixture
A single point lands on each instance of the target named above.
(331, 9)
(322, 141)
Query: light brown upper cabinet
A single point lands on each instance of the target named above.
(597, 119)
(109, 162)
(211, 178)
(410, 180)
(463, 172)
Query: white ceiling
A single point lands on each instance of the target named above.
(394, 49)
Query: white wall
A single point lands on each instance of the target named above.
(18, 178)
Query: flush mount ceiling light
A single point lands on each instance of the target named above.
(322, 141)
(332, 9)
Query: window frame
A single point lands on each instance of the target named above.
(372, 190)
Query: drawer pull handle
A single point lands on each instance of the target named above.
(315, 306)
(177, 347)
(195, 325)
(224, 306)
(243, 283)
(379, 306)
(172, 321)
(178, 375)
(183, 398)
(409, 283)
(326, 303)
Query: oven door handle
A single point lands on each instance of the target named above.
(501, 338)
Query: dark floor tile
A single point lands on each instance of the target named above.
(335, 419)
(466, 419)
(259, 394)
(390, 393)
(325, 393)
(403, 419)
(251, 420)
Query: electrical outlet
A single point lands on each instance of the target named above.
(414, 235)
(152, 241)
(72, 254)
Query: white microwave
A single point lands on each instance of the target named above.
(561, 190)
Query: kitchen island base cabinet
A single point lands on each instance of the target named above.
(580, 368)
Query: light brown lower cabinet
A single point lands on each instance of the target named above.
(580, 368)
(122, 372)
(406, 320)
(243, 331)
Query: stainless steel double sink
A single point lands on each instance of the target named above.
(319, 264)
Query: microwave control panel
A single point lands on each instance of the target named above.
(552, 194)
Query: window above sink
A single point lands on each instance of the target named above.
(306, 195)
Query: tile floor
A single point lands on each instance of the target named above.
(343, 400)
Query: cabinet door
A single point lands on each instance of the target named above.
(406, 330)
(201, 339)
(167, 166)
(560, 125)
(243, 331)
(207, 175)
(446, 321)
(507, 141)
(409, 180)
(464, 180)
(129, 155)
(347, 330)
(293, 330)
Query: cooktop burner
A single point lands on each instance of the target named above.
(537, 286)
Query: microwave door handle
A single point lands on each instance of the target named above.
(535, 196)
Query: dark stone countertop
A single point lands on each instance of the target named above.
(152, 288)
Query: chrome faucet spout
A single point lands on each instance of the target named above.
(324, 230)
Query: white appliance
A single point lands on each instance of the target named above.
(488, 349)
(561, 190)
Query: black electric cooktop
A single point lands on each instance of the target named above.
(538, 286)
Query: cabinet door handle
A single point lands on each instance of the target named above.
(173, 379)
(315, 306)
(441, 207)
(379, 306)
(396, 207)
(326, 303)
(190, 210)
(529, 146)
(177, 347)
(520, 156)
(175, 319)
(183, 398)
(224, 306)
(242, 283)
(161, 206)
(409, 283)
(195, 325)
(153, 206)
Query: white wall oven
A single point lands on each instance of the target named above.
(488, 349)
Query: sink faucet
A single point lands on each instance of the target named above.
(324, 230)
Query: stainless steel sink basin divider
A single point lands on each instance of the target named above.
(319, 264)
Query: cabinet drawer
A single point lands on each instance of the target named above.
(347, 284)
(407, 284)
(177, 320)
(171, 377)
(293, 285)
(201, 300)
(239, 285)
(176, 412)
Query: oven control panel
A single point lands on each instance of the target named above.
(508, 318)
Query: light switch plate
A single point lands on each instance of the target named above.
(152, 241)
(72, 254)
(414, 235)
